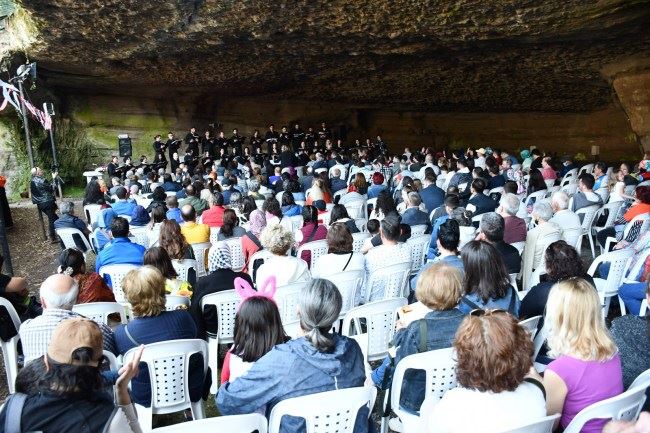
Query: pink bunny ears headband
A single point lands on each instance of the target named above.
(245, 291)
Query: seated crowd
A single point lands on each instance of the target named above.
(477, 242)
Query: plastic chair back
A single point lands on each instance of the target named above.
(317, 249)
(236, 254)
(356, 208)
(68, 236)
(419, 248)
(287, 297)
(325, 412)
(531, 325)
(358, 240)
(361, 224)
(176, 302)
(544, 425)
(381, 317)
(642, 380)
(200, 252)
(10, 348)
(623, 407)
(214, 235)
(231, 424)
(348, 283)
(226, 303)
(99, 311)
(587, 168)
(418, 230)
(388, 282)
(168, 363)
(519, 245)
(182, 268)
(644, 308)
(116, 273)
(92, 212)
(140, 236)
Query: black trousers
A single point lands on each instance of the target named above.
(49, 209)
(602, 235)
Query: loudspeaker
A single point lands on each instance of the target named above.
(124, 145)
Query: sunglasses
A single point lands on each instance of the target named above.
(479, 312)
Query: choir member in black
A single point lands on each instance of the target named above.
(297, 136)
(172, 145)
(128, 165)
(259, 157)
(247, 153)
(159, 161)
(324, 134)
(236, 142)
(303, 157)
(221, 142)
(144, 164)
(381, 145)
(206, 161)
(111, 168)
(287, 157)
(256, 141)
(275, 149)
(339, 145)
(224, 159)
(271, 138)
(190, 160)
(175, 161)
(158, 145)
(310, 138)
(193, 146)
(328, 146)
(207, 143)
(191, 135)
(284, 137)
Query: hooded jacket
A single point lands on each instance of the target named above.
(294, 369)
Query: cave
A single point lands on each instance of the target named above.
(560, 75)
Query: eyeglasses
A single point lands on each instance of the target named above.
(479, 312)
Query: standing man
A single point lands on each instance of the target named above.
(43, 197)
(236, 142)
(271, 138)
(207, 144)
(191, 135)
(297, 136)
(159, 147)
(172, 145)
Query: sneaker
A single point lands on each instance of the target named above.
(395, 425)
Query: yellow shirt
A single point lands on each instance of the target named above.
(195, 233)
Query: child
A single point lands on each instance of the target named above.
(258, 327)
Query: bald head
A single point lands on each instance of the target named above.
(59, 291)
(188, 213)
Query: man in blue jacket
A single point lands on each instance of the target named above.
(432, 196)
(120, 251)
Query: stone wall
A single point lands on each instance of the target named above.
(105, 116)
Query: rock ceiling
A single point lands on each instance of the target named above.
(458, 55)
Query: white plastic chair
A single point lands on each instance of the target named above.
(259, 204)
(348, 283)
(612, 211)
(530, 325)
(214, 235)
(317, 249)
(419, 247)
(92, 212)
(440, 369)
(644, 308)
(570, 177)
(325, 412)
(140, 237)
(537, 196)
(356, 209)
(339, 193)
(370, 202)
(544, 425)
(226, 304)
(608, 288)
(587, 168)
(642, 220)
(99, 311)
(10, 348)
(168, 363)
(418, 230)
(67, 235)
(358, 240)
(173, 302)
(387, 282)
(170, 193)
(624, 407)
(259, 255)
(589, 213)
(236, 254)
(381, 317)
(116, 273)
(642, 380)
(570, 189)
(361, 224)
(113, 363)
(200, 252)
(182, 268)
(230, 424)
(549, 183)
(286, 298)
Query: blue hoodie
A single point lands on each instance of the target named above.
(294, 369)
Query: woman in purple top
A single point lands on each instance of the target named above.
(587, 367)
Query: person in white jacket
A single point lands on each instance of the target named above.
(286, 269)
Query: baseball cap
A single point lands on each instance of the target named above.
(73, 334)
(481, 151)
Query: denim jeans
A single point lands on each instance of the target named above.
(632, 295)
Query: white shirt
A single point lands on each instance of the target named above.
(331, 264)
(286, 270)
(463, 410)
(566, 219)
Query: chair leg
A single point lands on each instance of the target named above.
(145, 417)
(198, 410)
(213, 362)
(384, 419)
(622, 305)
(11, 363)
(606, 307)
(591, 244)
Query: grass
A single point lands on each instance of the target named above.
(73, 191)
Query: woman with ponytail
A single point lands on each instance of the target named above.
(92, 287)
(318, 361)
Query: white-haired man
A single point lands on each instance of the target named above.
(562, 217)
(515, 227)
(58, 295)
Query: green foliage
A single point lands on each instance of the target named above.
(74, 151)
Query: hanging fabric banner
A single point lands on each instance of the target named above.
(11, 95)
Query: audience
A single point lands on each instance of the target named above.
(120, 250)
(92, 287)
(159, 259)
(567, 221)
(173, 212)
(122, 205)
(67, 219)
(230, 228)
(173, 241)
(339, 214)
(339, 257)
(480, 203)
(319, 361)
(492, 230)
(514, 228)
(192, 200)
(585, 196)
(310, 230)
(413, 216)
(431, 195)
(286, 269)
(193, 232)
(537, 240)
(250, 241)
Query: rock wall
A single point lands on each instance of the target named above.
(106, 116)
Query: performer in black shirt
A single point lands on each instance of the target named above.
(191, 135)
(256, 141)
(324, 134)
(287, 158)
(271, 137)
(221, 142)
(159, 161)
(297, 136)
(172, 145)
(175, 161)
(236, 142)
(193, 146)
(207, 143)
(112, 166)
(284, 137)
(128, 165)
(310, 138)
(158, 145)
